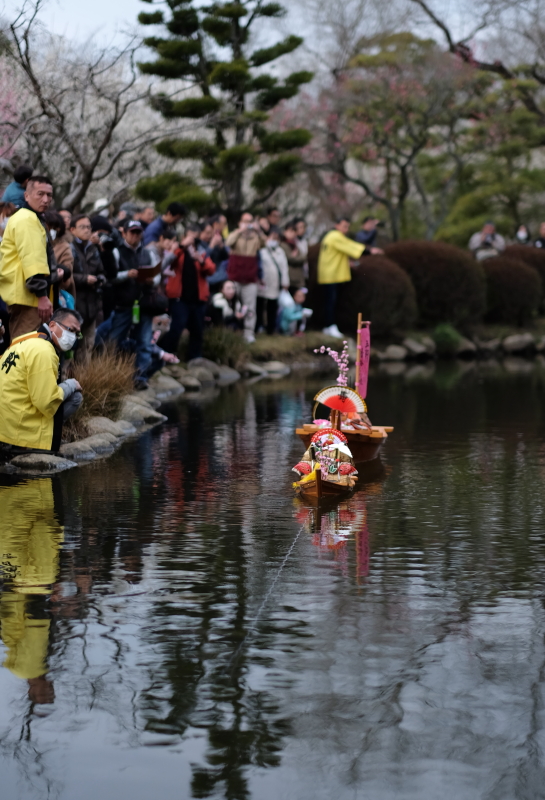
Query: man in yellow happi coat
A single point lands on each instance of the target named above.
(336, 251)
(34, 405)
(27, 264)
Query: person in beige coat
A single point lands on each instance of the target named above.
(244, 268)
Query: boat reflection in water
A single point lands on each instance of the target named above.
(333, 526)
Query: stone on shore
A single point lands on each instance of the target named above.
(227, 375)
(190, 382)
(490, 346)
(38, 462)
(166, 386)
(126, 427)
(254, 369)
(211, 366)
(429, 344)
(518, 342)
(394, 352)
(203, 375)
(415, 348)
(276, 368)
(102, 444)
(98, 425)
(146, 396)
(540, 345)
(78, 451)
(138, 414)
(465, 347)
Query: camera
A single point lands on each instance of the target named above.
(107, 242)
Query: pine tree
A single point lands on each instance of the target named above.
(209, 49)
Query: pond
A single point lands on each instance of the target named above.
(175, 624)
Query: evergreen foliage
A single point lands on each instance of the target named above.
(449, 283)
(383, 293)
(208, 48)
(513, 290)
(532, 257)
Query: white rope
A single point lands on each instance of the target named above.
(255, 620)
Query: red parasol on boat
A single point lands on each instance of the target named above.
(341, 398)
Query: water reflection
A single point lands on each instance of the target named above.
(397, 650)
(30, 538)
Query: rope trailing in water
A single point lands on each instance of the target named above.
(270, 590)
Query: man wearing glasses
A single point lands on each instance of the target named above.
(34, 405)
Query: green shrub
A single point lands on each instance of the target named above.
(382, 292)
(514, 290)
(446, 339)
(449, 283)
(379, 289)
(532, 257)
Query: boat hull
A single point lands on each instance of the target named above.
(324, 490)
(364, 445)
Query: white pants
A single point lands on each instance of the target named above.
(247, 293)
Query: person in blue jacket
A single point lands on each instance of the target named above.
(15, 191)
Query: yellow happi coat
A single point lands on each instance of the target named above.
(23, 254)
(29, 394)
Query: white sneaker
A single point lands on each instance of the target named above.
(333, 331)
(249, 338)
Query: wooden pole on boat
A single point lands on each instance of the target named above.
(360, 322)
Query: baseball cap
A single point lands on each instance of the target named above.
(133, 225)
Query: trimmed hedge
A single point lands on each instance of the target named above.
(514, 290)
(379, 289)
(532, 257)
(450, 285)
(383, 293)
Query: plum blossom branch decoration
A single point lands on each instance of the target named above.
(341, 360)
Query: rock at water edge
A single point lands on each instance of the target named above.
(211, 366)
(42, 463)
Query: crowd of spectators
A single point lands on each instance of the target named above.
(76, 281)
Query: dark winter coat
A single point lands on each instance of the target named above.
(87, 261)
(127, 290)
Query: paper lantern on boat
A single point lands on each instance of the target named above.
(341, 398)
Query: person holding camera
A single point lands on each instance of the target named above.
(368, 232)
(89, 279)
(244, 266)
(486, 242)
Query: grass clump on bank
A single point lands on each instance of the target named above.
(106, 379)
(291, 348)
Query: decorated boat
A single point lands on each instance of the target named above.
(348, 409)
(326, 469)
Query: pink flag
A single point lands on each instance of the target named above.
(364, 350)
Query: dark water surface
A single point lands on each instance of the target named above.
(398, 650)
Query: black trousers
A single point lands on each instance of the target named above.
(270, 309)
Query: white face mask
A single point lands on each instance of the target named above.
(273, 244)
(66, 340)
(522, 236)
(53, 235)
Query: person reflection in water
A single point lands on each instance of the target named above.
(30, 538)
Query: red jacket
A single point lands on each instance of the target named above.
(173, 288)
